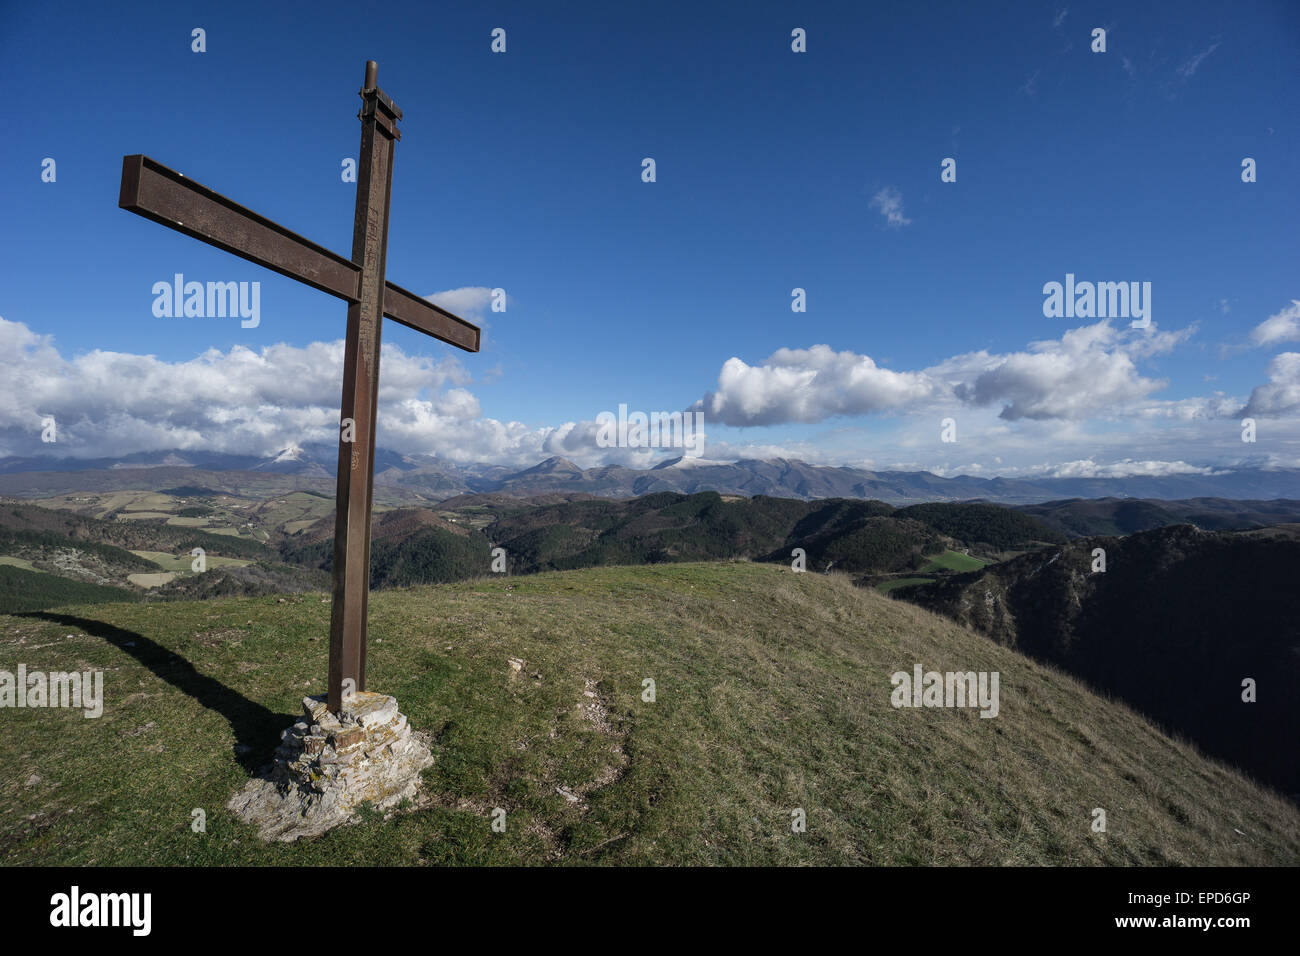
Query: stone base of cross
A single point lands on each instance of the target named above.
(331, 762)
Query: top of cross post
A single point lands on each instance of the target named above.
(377, 103)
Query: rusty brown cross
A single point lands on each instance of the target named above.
(163, 195)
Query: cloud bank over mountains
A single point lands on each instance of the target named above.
(1082, 404)
(1088, 372)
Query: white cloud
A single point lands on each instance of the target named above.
(1080, 399)
(1125, 468)
(890, 203)
(240, 401)
(1196, 408)
(1283, 326)
(809, 385)
(110, 404)
(1281, 395)
(1088, 372)
(469, 302)
(458, 404)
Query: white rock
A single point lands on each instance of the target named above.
(328, 765)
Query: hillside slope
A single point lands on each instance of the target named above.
(1175, 623)
(62, 550)
(772, 693)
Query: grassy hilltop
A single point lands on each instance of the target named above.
(772, 693)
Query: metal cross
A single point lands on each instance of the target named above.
(165, 196)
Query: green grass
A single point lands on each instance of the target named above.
(954, 561)
(184, 562)
(772, 694)
(884, 587)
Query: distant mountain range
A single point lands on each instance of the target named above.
(426, 476)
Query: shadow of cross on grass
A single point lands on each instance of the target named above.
(256, 728)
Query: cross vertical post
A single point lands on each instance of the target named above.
(151, 190)
(351, 570)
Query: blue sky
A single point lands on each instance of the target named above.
(774, 170)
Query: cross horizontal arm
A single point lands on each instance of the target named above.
(410, 310)
(152, 190)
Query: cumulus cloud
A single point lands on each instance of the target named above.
(258, 402)
(1281, 395)
(1079, 399)
(240, 401)
(1283, 326)
(809, 385)
(890, 203)
(1087, 372)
